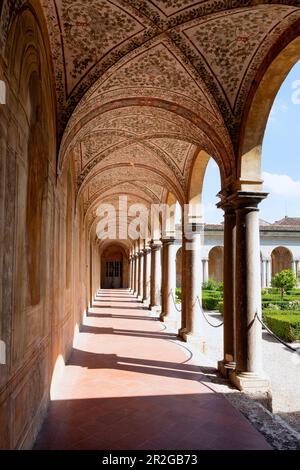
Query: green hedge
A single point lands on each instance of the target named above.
(210, 303)
(221, 307)
(286, 326)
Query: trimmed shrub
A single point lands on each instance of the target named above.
(287, 326)
(221, 307)
(210, 303)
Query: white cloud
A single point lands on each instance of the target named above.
(282, 185)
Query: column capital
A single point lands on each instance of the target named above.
(168, 234)
(171, 240)
(146, 250)
(227, 206)
(247, 200)
(155, 244)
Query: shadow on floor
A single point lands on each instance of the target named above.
(95, 330)
(182, 422)
(126, 317)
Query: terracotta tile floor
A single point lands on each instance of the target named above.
(129, 386)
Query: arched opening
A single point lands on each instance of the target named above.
(281, 259)
(215, 263)
(113, 268)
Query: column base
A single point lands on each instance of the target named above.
(194, 340)
(225, 367)
(146, 302)
(155, 311)
(181, 332)
(249, 382)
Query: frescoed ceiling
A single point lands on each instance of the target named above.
(142, 85)
(222, 41)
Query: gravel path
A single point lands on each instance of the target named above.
(280, 364)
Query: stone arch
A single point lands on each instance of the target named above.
(195, 185)
(279, 61)
(281, 259)
(215, 263)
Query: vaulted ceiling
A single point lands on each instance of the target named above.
(143, 85)
(221, 42)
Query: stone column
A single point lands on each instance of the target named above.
(191, 252)
(146, 274)
(129, 272)
(135, 280)
(228, 362)
(263, 273)
(155, 285)
(132, 274)
(205, 270)
(269, 272)
(169, 313)
(248, 375)
(141, 274)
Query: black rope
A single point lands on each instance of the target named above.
(277, 337)
(214, 326)
(174, 301)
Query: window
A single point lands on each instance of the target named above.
(113, 268)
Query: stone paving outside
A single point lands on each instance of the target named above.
(280, 365)
(129, 384)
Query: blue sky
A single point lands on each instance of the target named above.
(280, 162)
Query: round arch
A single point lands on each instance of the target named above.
(281, 259)
(215, 263)
(114, 266)
(279, 61)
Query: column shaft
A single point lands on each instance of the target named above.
(205, 270)
(155, 297)
(263, 273)
(249, 373)
(136, 276)
(146, 274)
(228, 362)
(141, 274)
(269, 272)
(169, 313)
(193, 285)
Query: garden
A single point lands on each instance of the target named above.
(280, 304)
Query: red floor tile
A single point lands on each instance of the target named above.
(128, 386)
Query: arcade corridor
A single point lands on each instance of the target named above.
(128, 385)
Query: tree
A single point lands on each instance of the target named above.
(284, 281)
